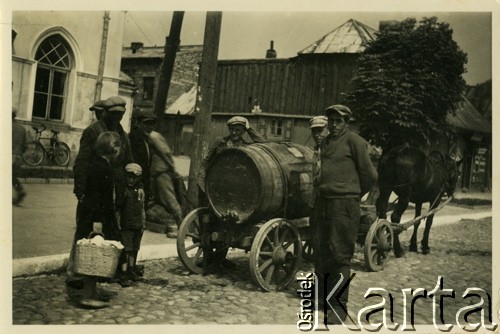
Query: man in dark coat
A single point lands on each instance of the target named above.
(110, 121)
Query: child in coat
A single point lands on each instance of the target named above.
(98, 206)
(132, 219)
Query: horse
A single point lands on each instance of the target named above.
(418, 178)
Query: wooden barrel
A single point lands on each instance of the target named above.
(260, 181)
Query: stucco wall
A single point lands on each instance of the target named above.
(83, 31)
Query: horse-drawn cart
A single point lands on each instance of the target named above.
(258, 201)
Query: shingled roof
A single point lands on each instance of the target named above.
(466, 117)
(156, 51)
(350, 37)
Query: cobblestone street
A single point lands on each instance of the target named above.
(169, 294)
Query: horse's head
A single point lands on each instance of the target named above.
(452, 162)
(449, 170)
(452, 176)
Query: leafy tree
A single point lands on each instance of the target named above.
(407, 80)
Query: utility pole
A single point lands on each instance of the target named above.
(204, 101)
(171, 46)
(102, 57)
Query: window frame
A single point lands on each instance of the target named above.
(146, 91)
(45, 63)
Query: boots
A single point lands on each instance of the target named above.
(132, 274)
(125, 279)
(171, 231)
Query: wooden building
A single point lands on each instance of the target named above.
(143, 65)
(278, 96)
(475, 142)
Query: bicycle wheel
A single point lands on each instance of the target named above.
(61, 153)
(34, 154)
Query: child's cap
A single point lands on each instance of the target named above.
(133, 168)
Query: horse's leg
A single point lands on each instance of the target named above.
(413, 240)
(427, 230)
(425, 237)
(396, 218)
(382, 202)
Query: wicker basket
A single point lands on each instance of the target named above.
(96, 260)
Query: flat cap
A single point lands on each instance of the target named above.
(237, 120)
(341, 109)
(133, 168)
(99, 105)
(115, 103)
(144, 115)
(318, 122)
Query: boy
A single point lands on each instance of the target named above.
(131, 218)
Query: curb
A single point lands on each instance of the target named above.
(44, 264)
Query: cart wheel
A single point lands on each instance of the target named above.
(189, 246)
(307, 250)
(378, 244)
(275, 255)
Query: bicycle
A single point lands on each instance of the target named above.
(36, 152)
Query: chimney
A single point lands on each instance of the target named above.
(271, 53)
(134, 46)
(386, 24)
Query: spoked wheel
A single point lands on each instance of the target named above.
(275, 255)
(378, 244)
(307, 250)
(61, 154)
(189, 248)
(34, 154)
(191, 240)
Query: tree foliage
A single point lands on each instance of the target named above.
(407, 81)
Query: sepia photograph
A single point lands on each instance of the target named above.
(248, 166)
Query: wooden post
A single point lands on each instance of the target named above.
(171, 46)
(204, 101)
(102, 57)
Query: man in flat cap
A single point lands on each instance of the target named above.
(98, 108)
(346, 174)
(114, 109)
(237, 127)
(319, 130)
(152, 152)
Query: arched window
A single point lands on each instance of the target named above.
(55, 60)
